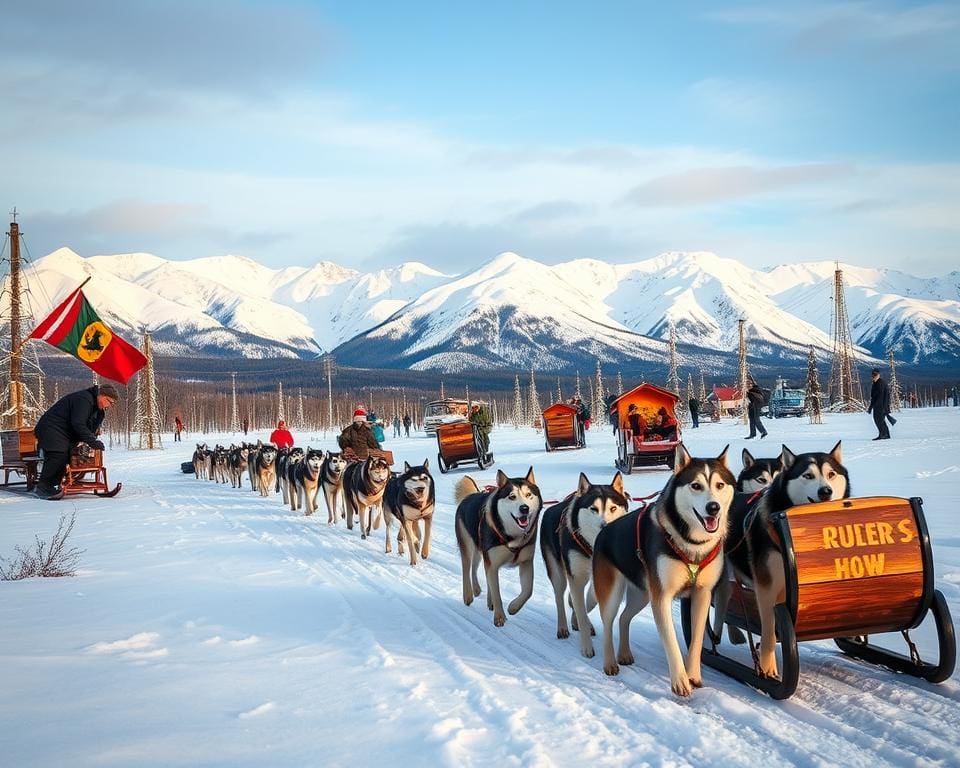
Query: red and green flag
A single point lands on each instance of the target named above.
(76, 328)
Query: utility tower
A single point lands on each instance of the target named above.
(280, 410)
(844, 390)
(599, 394)
(148, 422)
(896, 394)
(742, 370)
(517, 403)
(328, 366)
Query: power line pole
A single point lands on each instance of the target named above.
(148, 413)
(845, 392)
(234, 418)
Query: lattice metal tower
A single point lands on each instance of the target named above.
(703, 387)
(844, 391)
(147, 421)
(896, 393)
(619, 384)
(813, 388)
(599, 394)
(742, 371)
(234, 417)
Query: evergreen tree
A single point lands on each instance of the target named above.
(517, 403)
(813, 388)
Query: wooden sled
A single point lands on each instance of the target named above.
(86, 474)
(639, 450)
(460, 443)
(853, 567)
(561, 427)
(18, 455)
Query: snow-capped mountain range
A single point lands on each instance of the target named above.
(512, 312)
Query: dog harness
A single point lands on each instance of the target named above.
(578, 539)
(693, 566)
(524, 541)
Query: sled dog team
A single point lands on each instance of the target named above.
(704, 527)
(363, 490)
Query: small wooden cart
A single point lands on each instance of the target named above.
(18, 455)
(853, 567)
(644, 450)
(561, 427)
(86, 473)
(460, 443)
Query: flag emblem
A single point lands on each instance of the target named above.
(96, 337)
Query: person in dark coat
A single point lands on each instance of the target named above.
(694, 405)
(480, 418)
(879, 404)
(406, 423)
(177, 428)
(755, 398)
(74, 418)
(358, 436)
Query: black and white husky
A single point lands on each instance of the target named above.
(501, 527)
(265, 468)
(237, 461)
(567, 533)
(757, 474)
(753, 548)
(410, 498)
(201, 466)
(287, 460)
(670, 549)
(304, 479)
(363, 485)
(331, 483)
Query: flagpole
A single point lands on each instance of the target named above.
(73, 293)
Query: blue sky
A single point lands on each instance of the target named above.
(374, 133)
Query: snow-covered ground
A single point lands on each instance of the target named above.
(209, 626)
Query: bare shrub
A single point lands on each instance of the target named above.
(43, 559)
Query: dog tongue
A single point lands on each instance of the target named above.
(522, 521)
(711, 524)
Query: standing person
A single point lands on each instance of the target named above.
(281, 436)
(694, 405)
(246, 425)
(755, 398)
(378, 435)
(177, 428)
(406, 423)
(480, 418)
(357, 435)
(879, 404)
(396, 425)
(74, 418)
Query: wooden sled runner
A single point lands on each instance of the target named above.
(86, 474)
(854, 567)
(561, 427)
(460, 443)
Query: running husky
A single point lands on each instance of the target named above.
(304, 479)
(757, 474)
(670, 549)
(237, 461)
(200, 464)
(287, 460)
(753, 548)
(501, 526)
(567, 534)
(265, 468)
(363, 485)
(410, 498)
(331, 483)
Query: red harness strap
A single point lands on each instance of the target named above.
(693, 567)
(577, 538)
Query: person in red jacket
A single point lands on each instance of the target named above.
(281, 436)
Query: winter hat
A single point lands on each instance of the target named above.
(108, 390)
(360, 415)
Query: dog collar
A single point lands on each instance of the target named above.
(693, 567)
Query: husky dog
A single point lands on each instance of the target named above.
(501, 527)
(567, 534)
(265, 468)
(757, 474)
(305, 481)
(287, 459)
(753, 549)
(331, 483)
(221, 470)
(237, 461)
(364, 483)
(410, 498)
(252, 463)
(200, 461)
(670, 549)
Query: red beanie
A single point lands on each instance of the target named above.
(359, 412)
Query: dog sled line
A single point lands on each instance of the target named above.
(853, 568)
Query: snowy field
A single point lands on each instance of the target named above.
(208, 626)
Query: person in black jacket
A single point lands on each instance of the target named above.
(755, 398)
(879, 404)
(74, 418)
(694, 406)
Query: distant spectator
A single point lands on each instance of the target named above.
(396, 425)
(281, 436)
(246, 424)
(378, 434)
(480, 418)
(177, 428)
(755, 398)
(694, 406)
(406, 423)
